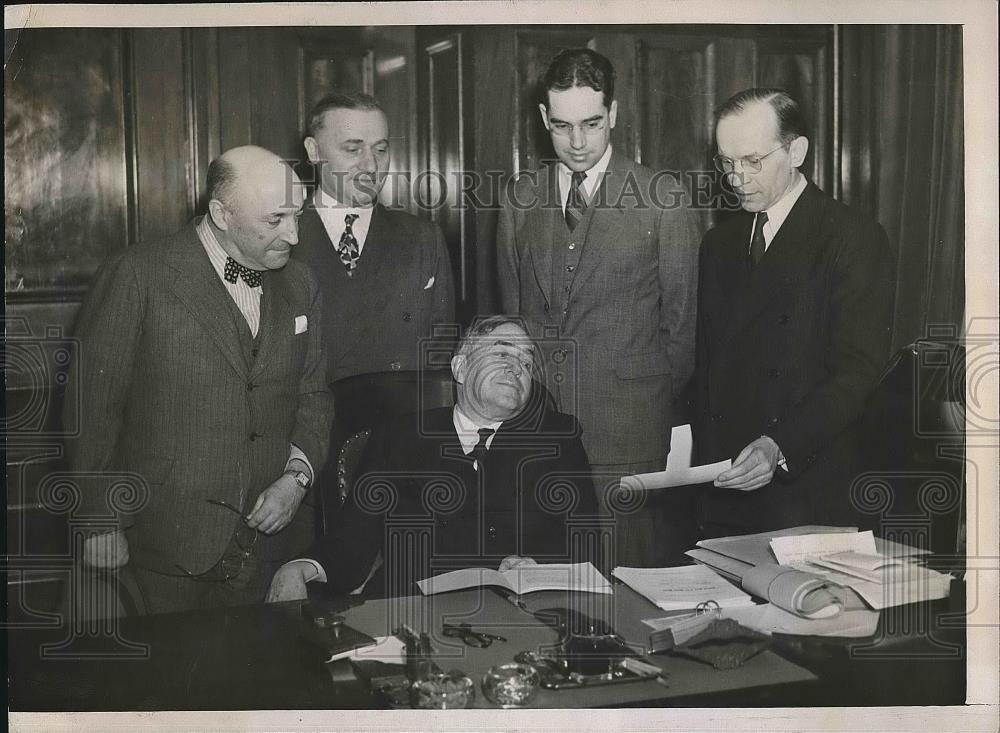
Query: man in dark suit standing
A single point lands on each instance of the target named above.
(794, 326)
(498, 480)
(202, 379)
(601, 254)
(384, 274)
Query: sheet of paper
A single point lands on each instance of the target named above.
(387, 649)
(770, 619)
(578, 577)
(682, 587)
(459, 579)
(679, 471)
(756, 549)
(795, 550)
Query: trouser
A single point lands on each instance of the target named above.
(630, 514)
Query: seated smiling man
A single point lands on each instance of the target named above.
(497, 480)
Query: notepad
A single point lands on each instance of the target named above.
(675, 589)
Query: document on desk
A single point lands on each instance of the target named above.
(679, 471)
(770, 619)
(675, 589)
(582, 577)
(798, 549)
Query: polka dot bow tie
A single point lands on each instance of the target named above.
(235, 270)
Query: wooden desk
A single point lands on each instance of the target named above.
(255, 658)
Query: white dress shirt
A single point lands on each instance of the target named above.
(777, 214)
(332, 213)
(590, 183)
(468, 432)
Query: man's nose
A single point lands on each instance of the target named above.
(291, 233)
(576, 138)
(368, 163)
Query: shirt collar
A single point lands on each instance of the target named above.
(216, 254)
(468, 430)
(777, 214)
(593, 179)
(332, 212)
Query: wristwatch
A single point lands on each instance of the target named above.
(301, 478)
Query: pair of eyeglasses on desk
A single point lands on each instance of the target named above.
(466, 633)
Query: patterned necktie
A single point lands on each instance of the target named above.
(348, 248)
(574, 202)
(757, 242)
(234, 270)
(480, 450)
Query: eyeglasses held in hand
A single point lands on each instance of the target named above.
(231, 565)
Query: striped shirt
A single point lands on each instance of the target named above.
(247, 299)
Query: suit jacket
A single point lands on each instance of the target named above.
(419, 502)
(174, 389)
(374, 320)
(623, 344)
(791, 350)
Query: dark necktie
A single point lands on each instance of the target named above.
(348, 247)
(480, 450)
(574, 202)
(757, 242)
(234, 270)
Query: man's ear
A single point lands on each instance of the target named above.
(613, 113)
(312, 149)
(545, 115)
(797, 150)
(458, 366)
(219, 214)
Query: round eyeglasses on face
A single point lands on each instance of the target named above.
(752, 163)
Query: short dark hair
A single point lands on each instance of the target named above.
(580, 67)
(791, 122)
(340, 100)
(221, 180)
(484, 326)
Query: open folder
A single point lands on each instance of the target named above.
(679, 471)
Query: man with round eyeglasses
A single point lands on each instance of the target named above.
(793, 329)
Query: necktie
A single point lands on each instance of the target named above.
(757, 243)
(480, 450)
(234, 270)
(348, 247)
(574, 202)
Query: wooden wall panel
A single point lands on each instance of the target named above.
(162, 156)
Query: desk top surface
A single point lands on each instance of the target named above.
(257, 658)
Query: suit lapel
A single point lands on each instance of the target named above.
(782, 264)
(605, 215)
(275, 315)
(540, 224)
(198, 286)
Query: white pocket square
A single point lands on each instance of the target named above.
(301, 324)
(430, 283)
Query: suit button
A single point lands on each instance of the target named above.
(254, 436)
(716, 417)
(566, 289)
(570, 268)
(559, 356)
(572, 245)
(492, 531)
(565, 311)
(407, 317)
(254, 353)
(784, 319)
(774, 373)
(545, 307)
(772, 421)
(395, 366)
(250, 387)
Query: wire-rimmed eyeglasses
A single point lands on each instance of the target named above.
(231, 564)
(752, 163)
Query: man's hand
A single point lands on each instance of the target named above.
(106, 551)
(753, 467)
(513, 561)
(276, 505)
(289, 583)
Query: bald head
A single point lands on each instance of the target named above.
(254, 202)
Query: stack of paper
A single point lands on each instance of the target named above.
(583, 577)
(677, 589)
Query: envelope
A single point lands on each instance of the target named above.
(301, 324)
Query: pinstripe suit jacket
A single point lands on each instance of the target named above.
(172, 393)
(624, 345)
